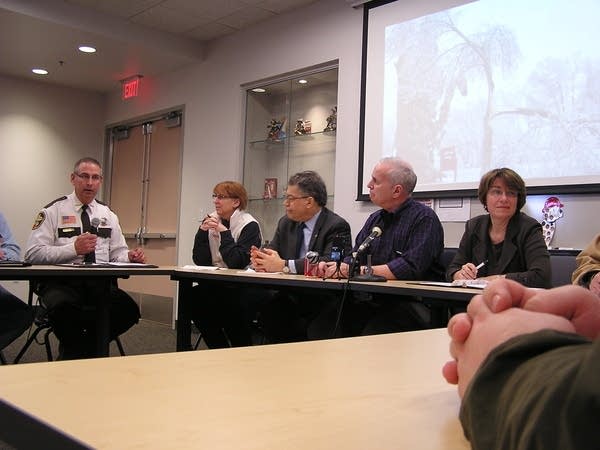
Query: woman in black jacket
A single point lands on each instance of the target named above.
(505, 243)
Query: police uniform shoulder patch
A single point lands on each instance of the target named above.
(64, 197)
(102, 203)
(39, 220)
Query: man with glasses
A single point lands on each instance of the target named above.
(77, 228)
(308, 226)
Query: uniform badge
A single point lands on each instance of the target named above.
(103, 221)
(39, 220)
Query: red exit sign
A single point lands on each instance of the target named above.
(130, 88)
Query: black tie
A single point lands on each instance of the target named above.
(85, 222)
(300, 239)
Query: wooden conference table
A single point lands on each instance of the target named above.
(187, 276)
(372, 392)
(103, 274)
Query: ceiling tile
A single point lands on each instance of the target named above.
(118, 8)
(246, 16)
(150, 37)
(206, 9)
(279, 6)
(210, 31)
(171, 20)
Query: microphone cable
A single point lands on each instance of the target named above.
(351, 268)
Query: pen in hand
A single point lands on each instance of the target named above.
(481, 264)
(208, 216)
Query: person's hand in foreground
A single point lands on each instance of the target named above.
(507, 309)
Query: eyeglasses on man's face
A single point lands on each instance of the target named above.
(220, 197)
(87, 177)
(291, 198)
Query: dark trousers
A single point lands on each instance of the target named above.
(218, 314)
(291, 315)
(365, 314)
(72, 311)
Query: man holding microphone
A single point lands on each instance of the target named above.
(77, 228)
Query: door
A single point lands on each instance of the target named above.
(144, 193)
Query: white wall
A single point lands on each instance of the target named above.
(44, 129)
(214, 101)
(214, 104)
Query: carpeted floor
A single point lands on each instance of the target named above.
(144, 338)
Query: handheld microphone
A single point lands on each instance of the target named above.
(375, 232)
(94, 225)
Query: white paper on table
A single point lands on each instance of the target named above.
(252, 271)
(194, 267)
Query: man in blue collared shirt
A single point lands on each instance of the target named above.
(409, 248)
(15, 315)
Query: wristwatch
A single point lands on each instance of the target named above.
(286, 269)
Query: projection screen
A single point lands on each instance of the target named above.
(459, 88)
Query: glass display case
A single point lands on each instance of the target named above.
(290, 127)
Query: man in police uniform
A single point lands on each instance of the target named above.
(77, 228)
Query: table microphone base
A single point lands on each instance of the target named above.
(367, 278)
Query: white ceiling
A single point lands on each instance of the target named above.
(147, 37)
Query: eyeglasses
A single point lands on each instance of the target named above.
(87, 177)
(220, 197)
(291, 198)
(495, 192)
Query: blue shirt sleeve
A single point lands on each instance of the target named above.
(9, 246)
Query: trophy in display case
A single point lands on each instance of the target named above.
(331, 120)
(303, 127)
(276, 130)
(270, 191)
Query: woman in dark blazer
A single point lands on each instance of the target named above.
(506, 242)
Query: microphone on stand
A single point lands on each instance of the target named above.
(368, 275)
(375, 233)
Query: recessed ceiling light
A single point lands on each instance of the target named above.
(302, 81)
(87, 49)
(39, 71)
(259, 90)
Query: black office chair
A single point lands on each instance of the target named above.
(15, 318)
(43, 325)
(563, 264)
